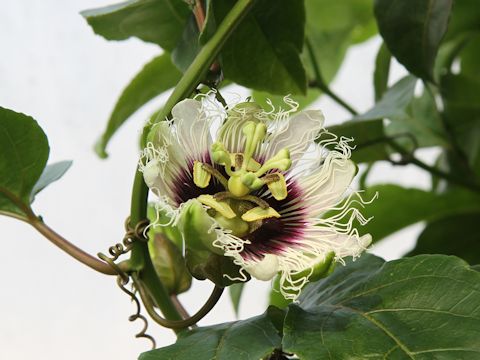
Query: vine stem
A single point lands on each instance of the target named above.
(71, 249)
(140, 258)
(320, 83)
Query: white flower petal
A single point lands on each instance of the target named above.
(193, 128)
(264, 269)
(324, 188)
(296, 133)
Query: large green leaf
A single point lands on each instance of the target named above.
(465, 18)
(369, 139)
(23, 155)
(398, 207)
(412, 30)
(157, 21)
(425, 307)
(250, 339)
(50, 174)
(156, 77)
(332, 26)
(263, 52)
(454, 235)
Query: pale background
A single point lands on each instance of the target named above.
(55, 69)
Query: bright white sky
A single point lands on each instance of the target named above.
(55, 69)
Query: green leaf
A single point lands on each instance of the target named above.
(382, 71)
(394, 102)
(462, 112)
(422, 121)
(413, 30)
(369, 139)
(188, 45)
(425, 307)
(50, 174)
(235, 291)
(332, 27)
(157, 21)
(273, 34)
(398, 207)
(23, 155)
(454, 235)
(250, 339)
(156, 77)
(465, 18)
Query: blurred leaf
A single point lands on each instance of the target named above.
(157, 21)
(156, 77)
(462, 111)
(188, 45)
(398, 207)
(422, 121)
(425, 307)
(412, 30)
(250, 339)
(235, 291)
(169, 264)
(369, 139)
(382, 71)
(273, 33)
(50, 174)
(454, 235)
(332, 27)
(465, 18)
(394, 102)
(23, 156)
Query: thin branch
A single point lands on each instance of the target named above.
(439, 173)
(71, 249)
(320, 83)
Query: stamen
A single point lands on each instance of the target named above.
(201, 177)
(280, 161)
(214, 172)
(222, 207)
(256, 200)
(259, 213)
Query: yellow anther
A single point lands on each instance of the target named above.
(222, 207)
(257, 213)
(277, 185)
(201, 177)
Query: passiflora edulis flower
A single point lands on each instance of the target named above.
(270, 189)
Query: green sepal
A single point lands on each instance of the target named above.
(320, 270)
(207, 265)
(169, 264)
(195, 225)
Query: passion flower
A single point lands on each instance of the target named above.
(270, 190)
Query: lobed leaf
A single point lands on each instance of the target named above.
(423, 307)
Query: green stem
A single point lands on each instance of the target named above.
(441, 174)
(320, 83)
(140, 258)
(199, 67)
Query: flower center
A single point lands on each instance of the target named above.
(237, 208)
